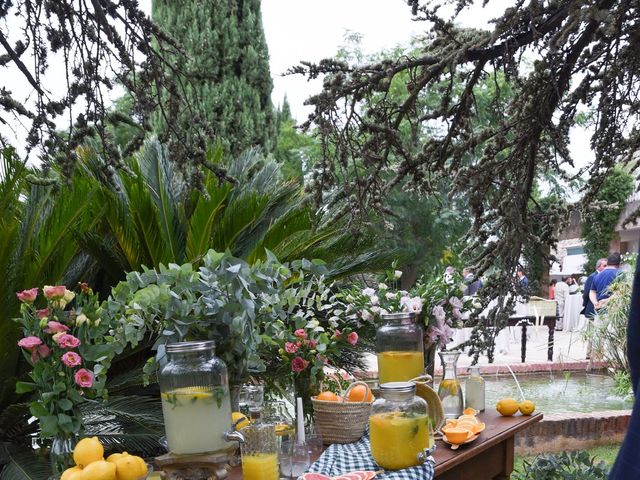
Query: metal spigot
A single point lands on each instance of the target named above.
(232, 436)
(425, 455)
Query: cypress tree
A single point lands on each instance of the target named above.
(228, 66)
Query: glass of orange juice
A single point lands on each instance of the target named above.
(260, 452)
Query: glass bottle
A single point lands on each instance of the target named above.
(474, 390)
(61, 454)
(450, 389)
(401, 431)
(195, 397)
(399, 347)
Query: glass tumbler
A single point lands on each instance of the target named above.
(259, 452)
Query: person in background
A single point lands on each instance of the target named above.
(588, 310)
(552, 289)
(473, 284)
(599, 293)
(562, 295)
(587, 305)
(627, 466)
(573, 285)
(523, 281)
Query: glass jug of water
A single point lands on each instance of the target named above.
(450, 389)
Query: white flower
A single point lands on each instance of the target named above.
(382, 286)
(404, 300)
(391, 295)
(397, 273)
(455, 302)
(80, 319)
(375, 310)
(439, 313)
(368, 292)
(375, 300)
(366, 316)
(413, 305)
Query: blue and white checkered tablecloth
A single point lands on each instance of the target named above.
(350, 457)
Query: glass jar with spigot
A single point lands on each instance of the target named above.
(194, 389)
(450, 389)
(400, 428)
(399, 347)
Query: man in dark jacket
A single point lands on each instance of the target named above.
(588, 309)
(627, 466)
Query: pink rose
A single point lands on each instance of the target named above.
(54, 293)
(29, 343)
(300, 333)
(55, 327)
(27, 296)
(352, 338)
(71, 359)
(42, 351)
(84, 378)
(312, 344)
(298, 364)
(67, 341)
(42, 313)
(290, 347)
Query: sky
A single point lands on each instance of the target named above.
(311, 30)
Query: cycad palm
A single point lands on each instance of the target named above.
(153, 217)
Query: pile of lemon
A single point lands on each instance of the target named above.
(91, 465)
(510, 406)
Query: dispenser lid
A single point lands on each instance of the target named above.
(179, 347)
(397, 387)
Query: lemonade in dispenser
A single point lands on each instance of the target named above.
(399, 347)
(195, 397)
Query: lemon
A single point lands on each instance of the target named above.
(88, 450)
(507, 407)
(242, 421)
(115, 456)
(99, 470)
(128, 467)
(527, 407)
(69, 472)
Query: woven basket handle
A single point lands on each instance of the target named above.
(359, 382)
(336, 378)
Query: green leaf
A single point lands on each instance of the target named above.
(65, 404)
(25, 387)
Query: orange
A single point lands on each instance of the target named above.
(327, 396)
(360, 393)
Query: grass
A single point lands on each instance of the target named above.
(606, 453)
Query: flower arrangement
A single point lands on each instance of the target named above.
(307, 332)
(439, 302)
(68, 352)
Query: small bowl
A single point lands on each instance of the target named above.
(456, 435)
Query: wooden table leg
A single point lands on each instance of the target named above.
(507, 466)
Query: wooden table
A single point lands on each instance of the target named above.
(490, 457)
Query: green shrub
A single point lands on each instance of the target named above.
(563, 466)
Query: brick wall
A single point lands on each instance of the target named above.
(573, 431)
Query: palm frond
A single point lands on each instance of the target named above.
(132, 423)
(21, 463)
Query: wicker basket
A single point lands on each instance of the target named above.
(341, 422)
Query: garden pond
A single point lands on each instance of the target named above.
(555, 392)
